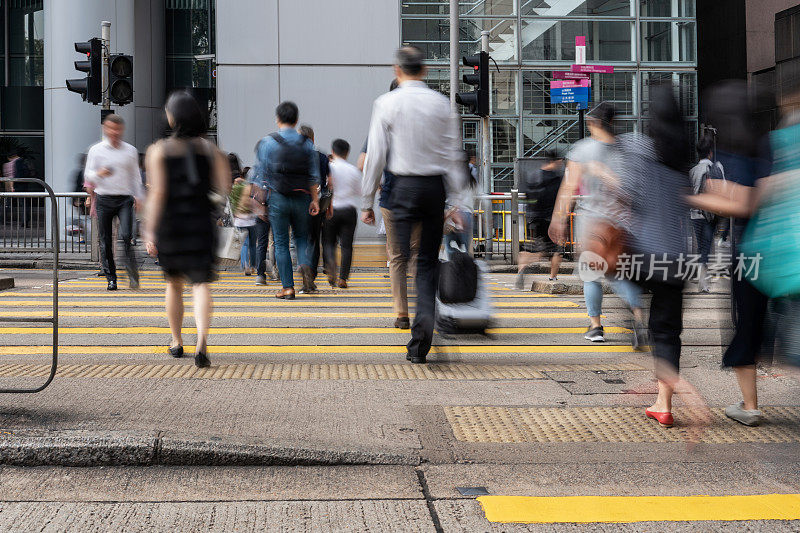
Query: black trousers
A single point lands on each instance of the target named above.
(262, 244)
(666, 324)
(420, 199)
(342, 228)
(108, 207)
(316, 235)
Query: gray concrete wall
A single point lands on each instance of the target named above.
(761, 31)
(332, 58)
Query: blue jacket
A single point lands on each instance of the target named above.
(265, 149)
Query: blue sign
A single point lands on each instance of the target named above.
(581, 95)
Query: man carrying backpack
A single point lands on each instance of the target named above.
(291, 167)
(704, 222)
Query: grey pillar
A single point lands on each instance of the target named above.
(71, 125)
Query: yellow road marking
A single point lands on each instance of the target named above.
(135, 294)
(145, 330)
(261, 314)
(624, 509)
(323, 349)
(301, 302)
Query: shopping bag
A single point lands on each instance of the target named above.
(230, 241)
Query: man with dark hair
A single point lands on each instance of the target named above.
(541, 191)
(288, 165)
(317, 221)
(415, 136)
(704, 222)
(112, 171)
(346, 185)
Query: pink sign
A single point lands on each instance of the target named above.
(561, 75)
(593, 69)
(570, 84)
(580, 41)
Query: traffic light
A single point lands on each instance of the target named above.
(120, 79)
(90, 88)
(477, 100)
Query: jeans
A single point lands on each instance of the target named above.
(262, 244)
(286, 211)
(420, 199)
(341, 227)
(704, 231)
(249, 249)
(108, 207)
(462, 238)
(625, 289)
(316, 229)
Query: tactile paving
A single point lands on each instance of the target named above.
(304, 371)
(494, 424)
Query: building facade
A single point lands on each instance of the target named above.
(242, 57)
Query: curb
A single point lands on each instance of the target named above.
(91, 449)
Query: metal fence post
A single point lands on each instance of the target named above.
(514, 226)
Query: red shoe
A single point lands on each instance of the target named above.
(665, 419)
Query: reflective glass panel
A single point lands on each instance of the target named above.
(433, 37)
(552, 40)
(466, 7)
(566, 8)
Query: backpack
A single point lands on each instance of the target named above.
(715, 171)
(288, 169)
(458, 278)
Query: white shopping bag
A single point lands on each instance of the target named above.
(230, 241)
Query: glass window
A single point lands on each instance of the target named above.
(552, 40)
(26, 44)
(667, 8)
(565, 8)
(433, 37)
(191, 51)
(502, 181)
(503, 95)
(659, 38)
(684, 85)
(465, 7)
(616, 88)
(504, 140)
(539, 135)
(783, 38)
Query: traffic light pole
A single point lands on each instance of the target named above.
(454, 55)
(486, 169)
(105, 35)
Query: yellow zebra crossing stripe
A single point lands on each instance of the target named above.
(144, 330)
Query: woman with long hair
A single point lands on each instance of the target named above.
(183, 171)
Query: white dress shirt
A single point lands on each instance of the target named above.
(346, 184)
(123, 162)
(415, 126)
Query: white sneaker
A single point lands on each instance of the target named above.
(748, 417)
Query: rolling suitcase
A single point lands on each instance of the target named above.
(474, 316)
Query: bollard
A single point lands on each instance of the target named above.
(514, 226)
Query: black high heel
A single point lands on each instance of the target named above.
(201, 360)
(175, 351)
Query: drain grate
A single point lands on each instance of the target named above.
(491, 424)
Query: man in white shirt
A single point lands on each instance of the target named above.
(345, 183)
(112, 170)
(415, 136)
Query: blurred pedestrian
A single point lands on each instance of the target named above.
(541, 192)
(704, 222)
(182, 172)
(291, 167)
(245, 219)
(654, 183)
(345, 183)
(325, 208)
(259, 201)
(415, 136)
(112, 169)
(599, 210)
(236, 167)
(400, 266)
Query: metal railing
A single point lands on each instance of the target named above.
(25, 227)
(53, 246)
(510, 230)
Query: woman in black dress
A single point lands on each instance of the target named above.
(182, 172)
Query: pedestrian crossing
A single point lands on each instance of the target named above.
(250, 322)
